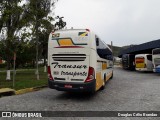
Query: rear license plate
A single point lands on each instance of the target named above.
(68, 86)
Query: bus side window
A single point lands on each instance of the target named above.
(109, 57)
(149, 57)
(97, 41)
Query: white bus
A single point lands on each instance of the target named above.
(143, 62)
(156, 60)
(78, 61)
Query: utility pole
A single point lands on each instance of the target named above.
(112, 46)
(14, 69)
(36, 27)
(112, 51)
(37, 71)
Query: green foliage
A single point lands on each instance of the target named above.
(11, 17)
(116, 50)
(41, 22)
(37, 12)
(23, 25)
(2, 66)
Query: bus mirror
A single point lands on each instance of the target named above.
(97, 42)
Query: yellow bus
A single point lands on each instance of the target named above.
(78, 61)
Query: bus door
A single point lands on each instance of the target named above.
(149, 62)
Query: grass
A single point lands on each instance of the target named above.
(1, 69)
(25, 78)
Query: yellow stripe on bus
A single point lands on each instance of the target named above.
(140, 65)
(84, 34)
(99, 80)
(104, 66)
(65, 42)
(109, 76)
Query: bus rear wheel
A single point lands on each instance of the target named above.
(111, 75)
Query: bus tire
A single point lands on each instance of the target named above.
(92, 92)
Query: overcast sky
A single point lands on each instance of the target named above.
(124, 22)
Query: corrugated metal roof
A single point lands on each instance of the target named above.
(141, 48)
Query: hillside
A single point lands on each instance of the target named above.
(117, 49)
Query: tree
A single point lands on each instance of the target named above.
(60, 24)
(16, 20)
(43, 39)
(10, 23)
(39, 20)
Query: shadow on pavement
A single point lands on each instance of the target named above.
(79, 96)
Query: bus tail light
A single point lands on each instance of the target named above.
(91, 75)
(49, 73)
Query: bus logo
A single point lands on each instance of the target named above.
(6, 114)
(82, 34)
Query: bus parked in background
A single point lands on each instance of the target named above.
(143, 62)
(156, 60)
(78, 61)
(128, 61)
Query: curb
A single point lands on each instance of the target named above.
(22, 91)
(10, 92)
(26, 90)
(6, 92)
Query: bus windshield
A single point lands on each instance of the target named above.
(156, 51)
(139, 60)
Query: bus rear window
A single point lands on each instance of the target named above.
(139, 60)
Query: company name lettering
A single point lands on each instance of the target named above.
(74, 73)
(57, 65)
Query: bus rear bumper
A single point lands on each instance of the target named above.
(73, 86)
(144, 69)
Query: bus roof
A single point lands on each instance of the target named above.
(142, 55)
(72, 30)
